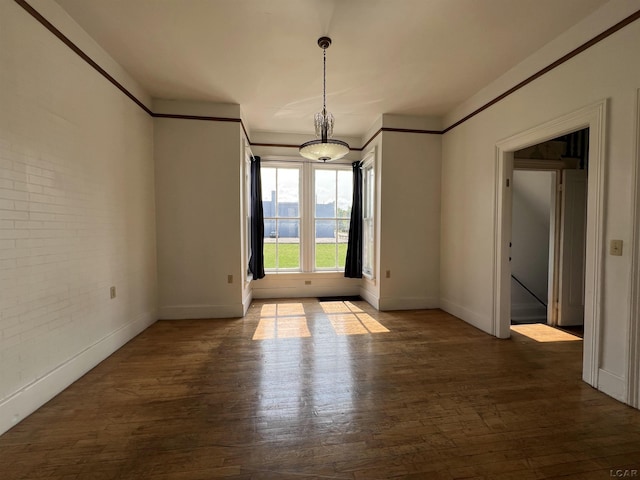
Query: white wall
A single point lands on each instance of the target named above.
(198, 191)
(77, 213)
(609, 69)
(409, 220)
(530, 227)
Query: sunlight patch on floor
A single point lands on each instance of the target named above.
(352, 324)
(288, 320)
(544, 333)
(286, 327)
(281, 309)
(334, 307)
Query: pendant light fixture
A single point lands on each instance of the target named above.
(324, 148)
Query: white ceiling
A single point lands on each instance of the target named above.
(412, 57)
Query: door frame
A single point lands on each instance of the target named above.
(633, 367)
(554, 230)
(593, 117)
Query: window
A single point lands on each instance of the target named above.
(333, 192)
(281, 206)
(307, 211)
(368, 216)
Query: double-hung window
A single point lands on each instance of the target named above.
(307, 210)
(368, 216)
(333, 192)
(282, 217)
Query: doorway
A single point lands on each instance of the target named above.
(591, 117)
(549, 205)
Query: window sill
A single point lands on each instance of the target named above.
(304, 275)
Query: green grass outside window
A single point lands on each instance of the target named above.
(289, 255)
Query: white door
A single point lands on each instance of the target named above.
(573, 223)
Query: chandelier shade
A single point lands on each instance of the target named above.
(324, 148)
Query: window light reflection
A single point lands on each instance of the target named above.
(544, 333)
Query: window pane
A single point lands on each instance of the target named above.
(288, 192)
(325, 244)
(325, 193)
(269, 229)
(270, 246)
(345, 193)
(343, 231)
(368, 233)
(343, 239)
(268, 191)
(368, 192)
(288, 239)
(342, 255)
(270, 254)
(367, 246)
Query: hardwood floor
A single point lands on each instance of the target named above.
(301, 389)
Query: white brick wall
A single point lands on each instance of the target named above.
(77, 215)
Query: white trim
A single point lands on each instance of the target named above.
(407, 303)
(594, 117)
(189, 312)
(472, 318)
(28, 399)
(633, 363)
(370, 297)
(369, 160)
(501, 308)
(246, 302)
(612, 384)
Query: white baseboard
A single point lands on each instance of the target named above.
(192, 312)
(246, 302)
(407, 303)
(370, 298)
(29, 398)
(477, 320)
(613, 385)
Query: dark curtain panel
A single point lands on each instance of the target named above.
(256, 262)
(353, 265)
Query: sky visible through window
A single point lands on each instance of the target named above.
(325, 186)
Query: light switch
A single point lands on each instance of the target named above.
(615, 248)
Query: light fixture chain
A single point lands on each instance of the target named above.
(324, 83)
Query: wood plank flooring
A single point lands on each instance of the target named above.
(305, 390)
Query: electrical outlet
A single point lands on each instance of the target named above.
(388, 275)
(229, 278)
(112, 292)
(615, 248)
